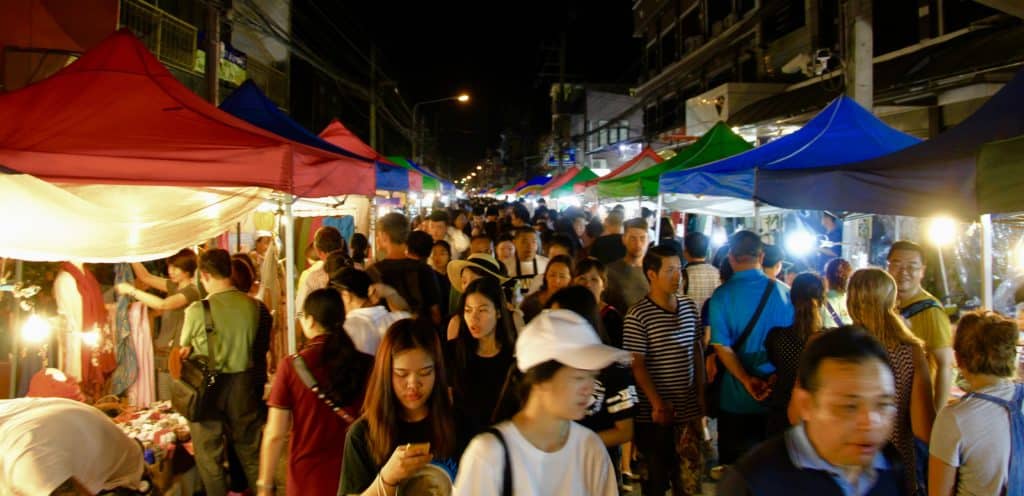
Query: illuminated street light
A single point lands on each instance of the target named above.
(479, 167)
(417, 142)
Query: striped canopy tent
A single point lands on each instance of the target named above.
(534, 186)
(718, 143)
(429, 182)
(559, 180)
(646, 159)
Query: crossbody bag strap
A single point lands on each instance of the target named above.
(832, 312)
(506, 479)
(754, 318)
(307, 378)
(211, 334)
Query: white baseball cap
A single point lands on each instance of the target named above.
(566, 337)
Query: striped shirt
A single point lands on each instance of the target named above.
(668, 342)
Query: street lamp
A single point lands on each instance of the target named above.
(417, 142)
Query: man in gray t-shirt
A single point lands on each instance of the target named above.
(626, 281)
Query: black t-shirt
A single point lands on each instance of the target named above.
(612, 321)
(358, 468)
(608, 248)
(614, 399)
(478, 388)
(412, 279)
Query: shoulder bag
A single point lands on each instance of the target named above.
(193, 394)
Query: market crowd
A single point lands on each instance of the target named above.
(508, 351)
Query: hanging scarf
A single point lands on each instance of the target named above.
(127, 362)
(97, 364)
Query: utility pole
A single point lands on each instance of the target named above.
(373, 96)
(859, 44)
(561, 104)
(213, 52)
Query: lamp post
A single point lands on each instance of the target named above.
(417, 142)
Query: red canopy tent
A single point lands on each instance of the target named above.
(560, 180)
(338, 135)
(117, 116)
(647, 155)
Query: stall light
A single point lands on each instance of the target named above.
(413, 196)
(942, 231)
(91, 338)
(35, 330)
(801, 243)
(570, 201)
(1018, 254)
(718, 237)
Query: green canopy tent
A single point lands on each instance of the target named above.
(718, 143)
(585, 174)
(998, 178)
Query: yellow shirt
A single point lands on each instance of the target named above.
(930, 325)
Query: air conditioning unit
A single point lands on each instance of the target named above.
(729, 20)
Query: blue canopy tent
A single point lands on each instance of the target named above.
(534, 185)
(940, 176)
(251, 105)
(843, 132)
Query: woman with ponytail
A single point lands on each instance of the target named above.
(317, 425)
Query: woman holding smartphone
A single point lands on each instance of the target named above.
(407, 417)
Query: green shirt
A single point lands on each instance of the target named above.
(235, 319)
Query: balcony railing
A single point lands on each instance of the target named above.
(273, 82)
(171, 39)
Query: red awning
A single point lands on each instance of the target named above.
(117, 116)
(560, 180)
(647, 153)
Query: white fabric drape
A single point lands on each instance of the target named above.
(112, 223)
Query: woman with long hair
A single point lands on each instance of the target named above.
(297, 410)
(481, 355)
(558, 275)
(976, 443)
(407, 416)
(541, 450)
(591, 274)
(785, 345)
(833, 309)
(871, 298)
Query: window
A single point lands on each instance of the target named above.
(602, 135)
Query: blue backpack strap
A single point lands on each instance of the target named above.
(1015, 476)
(918, 307)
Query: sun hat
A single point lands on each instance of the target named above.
(566, 337)
(481, 261)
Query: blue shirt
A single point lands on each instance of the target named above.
(805, 457)
(730, 308)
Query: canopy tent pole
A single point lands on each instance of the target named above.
(289, 270)
(657, 221)
(945, 281)
(757, 206)
(986, 261)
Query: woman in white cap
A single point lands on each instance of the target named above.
(541, 450)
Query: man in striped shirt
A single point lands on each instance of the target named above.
(661, 331)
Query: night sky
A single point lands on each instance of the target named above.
(493, 50)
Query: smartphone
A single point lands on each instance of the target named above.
(417, 449)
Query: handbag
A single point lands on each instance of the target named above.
(193, 393)
(713, 391)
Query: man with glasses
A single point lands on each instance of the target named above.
(846, 401)
(661, 331)
(927, 317)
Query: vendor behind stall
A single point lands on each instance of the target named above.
(61, 446)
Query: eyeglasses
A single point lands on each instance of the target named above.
(908, 267)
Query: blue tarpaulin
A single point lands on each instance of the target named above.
(251, 105)
(843, 132)
(939, 176)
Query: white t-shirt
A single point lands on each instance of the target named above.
(46, 441)
(581, 468)
(974, 435)
(366, 326)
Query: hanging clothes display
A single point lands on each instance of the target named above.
(142, 393)
(97, 362)
(345, 224)
(127, 370)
